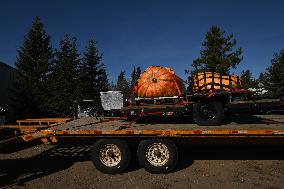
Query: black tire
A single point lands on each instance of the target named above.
(102, 154)
(146, 146)
(208, 113)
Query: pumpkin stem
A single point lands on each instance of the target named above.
(154, 80)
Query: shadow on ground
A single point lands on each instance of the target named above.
(19, 171)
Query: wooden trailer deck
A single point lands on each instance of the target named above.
(241, 126)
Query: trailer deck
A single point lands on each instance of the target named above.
(241, 126)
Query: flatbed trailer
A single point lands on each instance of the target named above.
(210, 96)
(156, 142)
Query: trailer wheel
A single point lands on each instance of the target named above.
(157, 155)
(111, 155)
(208, 113)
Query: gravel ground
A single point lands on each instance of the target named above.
(216, 166)
(200, 166)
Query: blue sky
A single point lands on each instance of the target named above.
(149, 32)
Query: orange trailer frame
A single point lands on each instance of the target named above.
(47, 130)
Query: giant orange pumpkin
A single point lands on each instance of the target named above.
(213, 81)
(158, 81)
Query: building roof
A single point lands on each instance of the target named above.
(3, 65)
(7, 78)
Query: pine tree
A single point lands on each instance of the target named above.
(112, 86)
(33, 67)
(138, 71)
(134, 79)
(123, 86)
(274, 78)
(93, 76)
(218, 54)
(262, 80)
(103, 79)
(135, 75)
(190, 81)
(247, 80)
(64, 79)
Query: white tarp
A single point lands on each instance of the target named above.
(112, 100)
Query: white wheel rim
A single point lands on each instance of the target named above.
(110, 155)
(158, 154)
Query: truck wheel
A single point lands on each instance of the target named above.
(111, 155)
(157, 155)
(208, 113)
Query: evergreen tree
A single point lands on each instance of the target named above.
(123, 85)
(247, 80)
(262, 80)
(135, 75)
(64, 85)
(103, 79)
(138, 72)
(274, 78)
(33, 67)
(190, 81)
(218, 54)
(134, 79)
(112, 86)
(93, 76)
